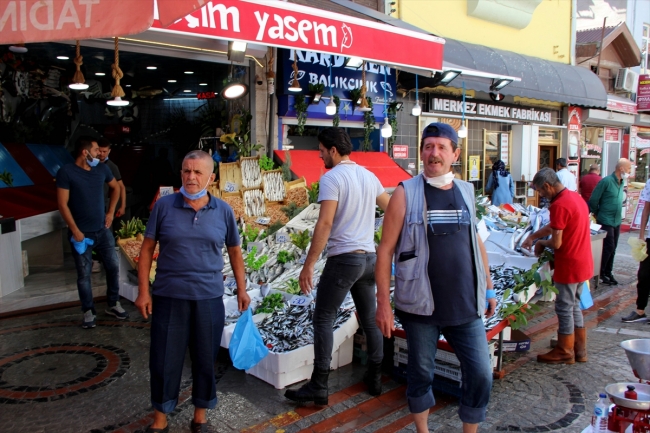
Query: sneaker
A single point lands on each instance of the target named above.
(89, 320)
(612, 280)
(634, 317)
(117, 311)
(96, 267)
(605, 279)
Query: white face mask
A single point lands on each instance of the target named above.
(440, 181)
(624, 175)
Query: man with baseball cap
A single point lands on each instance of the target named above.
(442, 278)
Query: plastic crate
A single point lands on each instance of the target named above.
(400, 345)
(449, 371)
(446, 385)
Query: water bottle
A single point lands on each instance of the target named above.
(601, 413)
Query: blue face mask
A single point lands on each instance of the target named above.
(196, 196)
(92, 162)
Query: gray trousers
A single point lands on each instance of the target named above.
(567, 307)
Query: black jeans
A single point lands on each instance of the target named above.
(354, 273)
(643, 286)
(609, 248)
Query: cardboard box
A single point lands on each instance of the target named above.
(518, 342)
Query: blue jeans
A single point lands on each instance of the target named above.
(175, 325)
(354, 273)
(104, 246)
(567, 307)
(470, 344)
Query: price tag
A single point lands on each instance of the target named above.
(281, 237)
(230, 187)
(252, 245)
(301, 300)
(378, 223)
(302, 259)
(263, 220)
(166, 190)
(230, 282)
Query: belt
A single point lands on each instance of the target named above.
(359, 252)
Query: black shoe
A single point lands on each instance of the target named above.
(634, 317)
(372, 378)
(196, 427)
(315, 390)
(612, 280)
(606, 280)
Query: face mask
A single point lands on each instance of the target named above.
(440, 181)
(92, 162)
(625, 175)
(196, 196)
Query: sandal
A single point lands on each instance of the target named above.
(196, 427)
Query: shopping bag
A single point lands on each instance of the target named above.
(585, 297)
(639, 249)
(246, 346)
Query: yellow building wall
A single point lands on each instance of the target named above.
(547, 36)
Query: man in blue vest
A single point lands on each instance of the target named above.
(442, 278)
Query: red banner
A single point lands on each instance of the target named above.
(292, 26)
(643, 93)
(25, 21)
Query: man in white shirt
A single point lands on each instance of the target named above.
(567, 178)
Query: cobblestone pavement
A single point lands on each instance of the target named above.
(55, 376)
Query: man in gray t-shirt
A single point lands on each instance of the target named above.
(348, 195)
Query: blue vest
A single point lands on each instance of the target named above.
(412, 286)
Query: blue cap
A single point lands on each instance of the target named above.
(442, 130)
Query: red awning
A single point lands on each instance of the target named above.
(272, 23)
(307, 163)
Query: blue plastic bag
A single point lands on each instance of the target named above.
(585, 297)
(81, 246)
(246, 346)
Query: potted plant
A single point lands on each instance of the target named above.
(337, 117)
(316, 91)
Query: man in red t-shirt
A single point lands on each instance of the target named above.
(570, 238)
(589, 181)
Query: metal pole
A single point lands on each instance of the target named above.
(600, 48)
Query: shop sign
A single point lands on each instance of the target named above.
(611, 134)
(474, 167)
(644, 152)
(25, 21)
(593, 149)
(624, 107)
(313, 68)
(504, 148)
(482, 109)
(206, 95)
(400, 151)
(643, 93)
(288, 25)
(575, 126)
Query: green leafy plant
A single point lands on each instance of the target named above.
(313, 191)
(254, 263)
(273, 228)
(368, 127)
(300, 239)
(266, 163)
(337, 117)
(271, 303)
(292, 286)
(355, 95)
(131, 228)
(292, 210)
(391, 112)
(300, 107)
(316, 89)
(241, 141)
(7, 178)
(285, 256)
(481, 210)
(286, 167)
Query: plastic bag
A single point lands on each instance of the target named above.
(639, 249)
(586, 300)
(246, 346)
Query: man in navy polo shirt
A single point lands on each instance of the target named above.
(80, 195)
(192, 227)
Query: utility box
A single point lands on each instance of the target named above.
(525, 152)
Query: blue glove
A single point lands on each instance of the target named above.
(489, 294)
(81, 247)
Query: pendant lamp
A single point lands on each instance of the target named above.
(117, 93)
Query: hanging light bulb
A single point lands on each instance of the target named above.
(295, 84)
(386, 129)
(78, 80)
(363, 106)
(117, 93)
(462, 131)
(117, 102)
(417, 110)
(330, 109)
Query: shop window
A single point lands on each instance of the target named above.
(606, 77)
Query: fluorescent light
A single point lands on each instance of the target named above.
(354, 62)
(238, 46)
(63, 57)
(189, 72)
(152, 68)
(100, 74)
(171, 81)
(203, 84)
(18, 48)
(187, 91)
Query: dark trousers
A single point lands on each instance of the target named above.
(609, 248)
(354, 273)
(643, 286)
(175, 325)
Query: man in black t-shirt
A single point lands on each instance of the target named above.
(104, 151)
(81, 202)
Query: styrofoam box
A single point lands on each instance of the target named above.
(299, 222)
(499, 257)
(401, 353)
(283, 369)
(127, 290)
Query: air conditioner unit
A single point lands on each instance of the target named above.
(626, 79)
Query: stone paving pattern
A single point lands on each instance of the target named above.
(55, 376)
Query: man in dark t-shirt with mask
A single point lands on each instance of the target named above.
(80, 197)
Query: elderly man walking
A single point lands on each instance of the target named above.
(441, 279)
(606, 203)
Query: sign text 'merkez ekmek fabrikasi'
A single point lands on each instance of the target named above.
(481, 109)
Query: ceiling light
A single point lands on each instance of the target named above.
(78, 80)
(462, 131)
(238, 46)
(63, 57)
(448, 76)
(128, 85)
(100, 74)
(500, 84)
(171, 81)
(203, 84)
(189, 72)
(236, 51)
(386, 129)
(187, 91)
(330, 109)
(18, 48)
(117, 102)
(234, 91)
(416, 110)
(353, 62)
(78, 86)
(152, 68)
